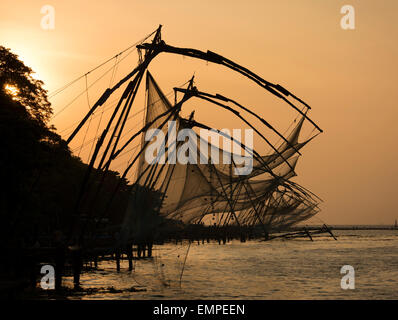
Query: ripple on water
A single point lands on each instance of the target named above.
(298, 269)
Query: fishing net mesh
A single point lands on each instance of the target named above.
(192, 191)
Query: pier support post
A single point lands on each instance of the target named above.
(308, 233)
(130, 256)
(59, 266)
(150, 246)
(117, 255)
(76, 265)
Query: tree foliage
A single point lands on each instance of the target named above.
(31, 94)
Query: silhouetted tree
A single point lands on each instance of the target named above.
(39, 174)
(31, 94)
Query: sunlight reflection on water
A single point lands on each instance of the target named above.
(294, 269)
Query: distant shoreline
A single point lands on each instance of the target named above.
(350, 227)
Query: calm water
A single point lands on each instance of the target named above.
(294, 269)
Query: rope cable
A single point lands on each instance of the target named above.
(59, 90)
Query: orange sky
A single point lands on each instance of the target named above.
(349, 77)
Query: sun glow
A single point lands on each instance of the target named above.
(11, 90)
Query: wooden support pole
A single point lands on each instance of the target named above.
(76, 265)
(330, 231)
(59, 265)
(308, 234)
(130, 256)
(117, 255)
(150, 247)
